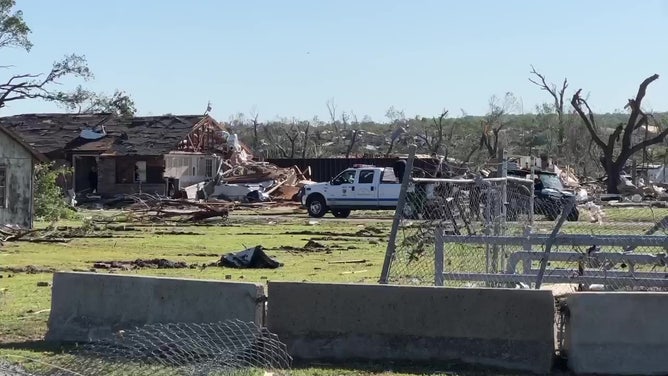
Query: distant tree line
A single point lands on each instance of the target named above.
(567, 130)
(564, 129)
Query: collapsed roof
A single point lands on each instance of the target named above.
(107, 134)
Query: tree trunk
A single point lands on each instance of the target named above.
(255, 138)
(614, 174)
(305, 146)
(353, 139)
(389, 150)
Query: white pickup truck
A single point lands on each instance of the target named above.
(357, 188)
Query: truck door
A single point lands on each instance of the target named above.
(342, 189)
(388, 189)
(366, 190)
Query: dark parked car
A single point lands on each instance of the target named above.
(550, 196)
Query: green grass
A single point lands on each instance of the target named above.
(634, 214)
(20, 293)
(24, 306)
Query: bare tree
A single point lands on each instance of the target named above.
(398, 123)
(331, 108)
(254, 114)
(354, 135)
(292, 134)
(433, 137)
(614, 160)
(495, 122)
(305, 127)
(557, 94)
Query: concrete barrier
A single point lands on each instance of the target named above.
(86, 306)
(338, 322)
(622, 333)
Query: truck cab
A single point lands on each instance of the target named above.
(361, 187)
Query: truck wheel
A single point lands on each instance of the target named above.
(316, 206)
(574, 215)
(341, 213)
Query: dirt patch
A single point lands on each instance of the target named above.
(364, 233)
(122, 228)
(177, 233)
(141, 264)
(310, 246)
(28, 269)
(314, 245)
(199, 254)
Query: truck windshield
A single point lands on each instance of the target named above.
(551, 181)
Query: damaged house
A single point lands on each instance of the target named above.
(17, 170)
(111, 155)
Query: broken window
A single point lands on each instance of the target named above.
(148, 170)
(208, 168)
(3, 187)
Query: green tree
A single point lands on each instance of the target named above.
(86, 102)
(14, 33)
(49, 203)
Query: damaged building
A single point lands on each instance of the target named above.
(111, 155)
(17, 170)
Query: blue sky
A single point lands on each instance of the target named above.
(287, 58)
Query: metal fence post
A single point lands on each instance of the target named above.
(488, 227)
(398, 215)
(532, 192)
(548, 243)
(504, 190)
(439, 254)
(504, 209)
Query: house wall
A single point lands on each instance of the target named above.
(18, 164)
(108, 183)
(180, 166)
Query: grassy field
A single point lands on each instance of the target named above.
(24, 306)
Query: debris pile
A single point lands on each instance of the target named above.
(140, 264)
(154, 208)
(254, 258)
(251, 258)
(9, 233)
(250, 182)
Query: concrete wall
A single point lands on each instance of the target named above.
(342, 323)
(86, 306)
(617, 333)
(18, 165)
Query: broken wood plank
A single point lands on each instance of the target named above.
(361, 261)
(354, 272)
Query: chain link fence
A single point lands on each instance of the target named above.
(521, 231)
(231, 348)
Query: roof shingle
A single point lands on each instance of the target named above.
(142, 135)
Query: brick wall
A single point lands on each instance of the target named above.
(107, 181)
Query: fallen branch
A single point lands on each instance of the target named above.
(362, 261)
